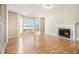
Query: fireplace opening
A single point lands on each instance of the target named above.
(64, 32)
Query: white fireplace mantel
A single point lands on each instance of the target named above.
(71, 27)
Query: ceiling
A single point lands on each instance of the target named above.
(39, 10)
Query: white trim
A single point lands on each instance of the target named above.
(60, 37)
(6, 30)
(4, 47)
(12, 37)
(17, 35)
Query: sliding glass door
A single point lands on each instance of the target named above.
(29, 24)
(33, 25)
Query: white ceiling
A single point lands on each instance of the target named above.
(38, 10)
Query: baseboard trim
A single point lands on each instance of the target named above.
(18, 35)
(4, 47)
(61, 37)
(12, 37)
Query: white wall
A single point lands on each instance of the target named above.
(69, 16)
(3, 27)
(19, 24)
(77, 31)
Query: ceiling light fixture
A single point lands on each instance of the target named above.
(48, 6)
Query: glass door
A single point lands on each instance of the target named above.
(29, 25)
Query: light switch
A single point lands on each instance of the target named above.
(0, 17)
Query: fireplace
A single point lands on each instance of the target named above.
(64, 32)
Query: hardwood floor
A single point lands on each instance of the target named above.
(41, 44)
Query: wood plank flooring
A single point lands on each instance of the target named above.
(41, 44)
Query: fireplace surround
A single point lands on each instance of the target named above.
(66, 31)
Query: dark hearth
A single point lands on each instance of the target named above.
(64, 32)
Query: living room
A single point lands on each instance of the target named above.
(42, 28)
